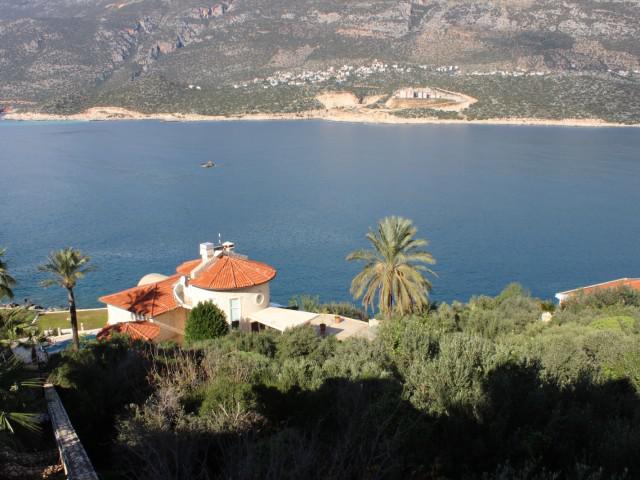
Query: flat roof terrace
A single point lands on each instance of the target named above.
(282, 318)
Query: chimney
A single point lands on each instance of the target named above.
(228, 246)
(206, 251)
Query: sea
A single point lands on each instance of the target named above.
(550, 207)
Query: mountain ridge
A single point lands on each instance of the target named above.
(64, 56)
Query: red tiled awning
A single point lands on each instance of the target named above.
(146, 331)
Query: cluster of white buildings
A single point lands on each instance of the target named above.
(507, 73)
(425, 93)
(447, 69)
(346, 72)
(336, 74)
(623, 73)
(340, 74)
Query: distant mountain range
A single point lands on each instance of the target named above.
(554, 59)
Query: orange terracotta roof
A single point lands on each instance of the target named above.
(231, 272)
(150, 300)
(146, 331)
(185, 267)
(621, 282)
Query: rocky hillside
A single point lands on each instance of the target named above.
(274, 55)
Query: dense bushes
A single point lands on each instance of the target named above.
(97, 383)
(477, 390)
(206, 321)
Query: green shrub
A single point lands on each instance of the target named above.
(298, 373)
(264, 342)
(344, 309)
(298, 342)
(307, 303)
(206, 321)
(311, 303)
(625, 366)
(411, 339)
(452, 381)
(513, 290)
(227, 394)
(97, 384)
(560, 352)
(585, 314)
(512, 311)
(621, 323)
(239, 366)
(357, 358)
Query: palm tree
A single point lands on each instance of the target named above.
(394, 268)
(12, 385)
(15, 324)
(67, 266)
(6, 280)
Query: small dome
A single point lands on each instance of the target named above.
(151, 278)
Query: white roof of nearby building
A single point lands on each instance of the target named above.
(151, 278)
(347, 328)
(282, 318)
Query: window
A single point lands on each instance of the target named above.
(235, 309)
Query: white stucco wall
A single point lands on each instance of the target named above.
(247, 297)
(171, 325)
(119, 315)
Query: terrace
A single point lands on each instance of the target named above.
(339, 326)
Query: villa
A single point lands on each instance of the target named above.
(157, 308)
(417, 93)
(633, 283)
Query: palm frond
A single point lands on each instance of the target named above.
(6, 280)
(28, 421)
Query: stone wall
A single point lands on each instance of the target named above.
(73, 455)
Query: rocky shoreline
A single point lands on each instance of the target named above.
(332, 114)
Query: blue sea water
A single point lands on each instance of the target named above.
(550, 207)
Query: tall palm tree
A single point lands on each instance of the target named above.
(394, 268)
(6, 280)
(67, 266)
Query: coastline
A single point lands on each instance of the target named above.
(332, 114)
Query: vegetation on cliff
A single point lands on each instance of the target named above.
(483, 389)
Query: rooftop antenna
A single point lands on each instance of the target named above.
(219, 238)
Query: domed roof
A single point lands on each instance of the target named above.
(151, 278)
(231, 272)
